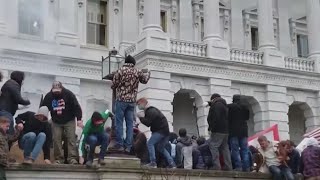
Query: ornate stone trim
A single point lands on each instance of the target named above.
(233, 74)
(141, 8)
(174, 11)
(51, 65)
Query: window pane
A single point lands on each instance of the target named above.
(97, 20)
(163, 21)
(91, 31)
(254, 39)
(30, 21)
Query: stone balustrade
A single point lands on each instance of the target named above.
(300, 64)
(188, 48)
(131, 50)
(246, 56)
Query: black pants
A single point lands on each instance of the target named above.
(2, 173)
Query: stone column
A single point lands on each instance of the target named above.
(152, 15)
(185, 20)
(196, 20)
(216, 47)
(275, 109)
(284, 31)
(237, 38)
(129, 24)
(152, 36)
(2, 17)
(222, 87)
(265, 25)
(272, 57)
(67, 29)
(313, 13)
(158, 93)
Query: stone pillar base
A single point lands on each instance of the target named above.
(316, 59)
(218, 49)
(273, 58)
(153, 40)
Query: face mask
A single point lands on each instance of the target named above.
(140, 107)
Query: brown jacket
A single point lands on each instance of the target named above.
(5, 139)
(126, 81)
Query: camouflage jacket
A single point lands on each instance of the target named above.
(5, 139)
(126, 81)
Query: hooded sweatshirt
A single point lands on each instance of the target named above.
(218, 116)
(63, 107)
(187, 141)
(11, 97)
(90, 128)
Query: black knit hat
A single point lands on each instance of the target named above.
(236, 97)
(215, 95)
(129, 59)
(17, 76)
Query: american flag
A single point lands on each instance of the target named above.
(315, 134)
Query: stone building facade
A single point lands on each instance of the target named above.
(266, 50)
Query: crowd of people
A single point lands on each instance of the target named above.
(226, 149)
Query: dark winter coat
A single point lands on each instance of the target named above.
(64, 107)
(155, 120)
(294, 161)
(197, 159)
(218, 116)
(186, 141)
(238, 117)
(31, 124)
(140, 147)
(11, 97)
(206, 154)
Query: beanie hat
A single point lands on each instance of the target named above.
(43, 110)
(130, 60)
(236, 97)
(215, 95)
(96, 118)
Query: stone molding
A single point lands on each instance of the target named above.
(233, 74)
(52, 65)
(86, 69)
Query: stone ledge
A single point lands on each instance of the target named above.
(122, 169)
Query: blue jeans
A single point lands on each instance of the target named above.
(240, 158)
(31, 144)
(125, 111)
(281, 171)
(94, 140)
(10, 117)
(161, 140)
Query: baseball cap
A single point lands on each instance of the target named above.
(56, 86)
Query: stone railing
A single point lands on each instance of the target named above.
(300, 64)
(131, 50)
(246, 56)
(188, 48)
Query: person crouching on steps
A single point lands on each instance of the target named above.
(93, 135)
(159, 127)
(36, 135)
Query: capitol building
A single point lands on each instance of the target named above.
(268, 51)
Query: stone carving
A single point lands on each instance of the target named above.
(141, 8)
(116, 6)
(226, 19)
(247, 24)
(235, 75)
(196, 12)
(293, 30)
(174, 9)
